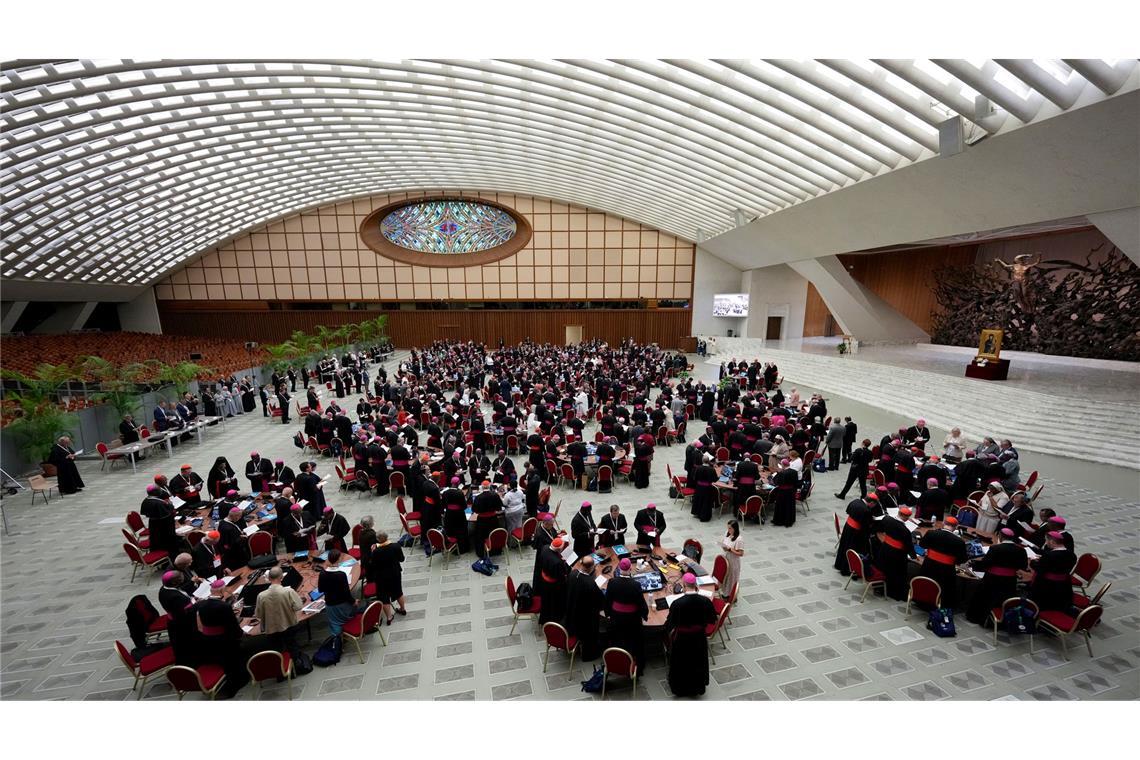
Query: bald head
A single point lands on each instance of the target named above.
(275, 574)
(587, 564)
(183, 561)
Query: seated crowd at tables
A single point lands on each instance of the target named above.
(966, 515)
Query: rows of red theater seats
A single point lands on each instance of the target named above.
(223, 357)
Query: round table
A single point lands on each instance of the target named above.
(672, 569)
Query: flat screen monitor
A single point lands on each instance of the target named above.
(730, 305)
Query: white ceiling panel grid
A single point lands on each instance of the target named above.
(119, 171)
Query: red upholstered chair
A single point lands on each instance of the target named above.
(599, 436)
(512, 444)
(722, 454)
(497, 541)
(873, 578)
(605, 478)
(524, 534)
(135, 523)
(396, 483)
(558, 638)
(1037, 493)
(663, 435)
(672, 477)
(551, 471)
(1029, 482)
(363, 623)
(195, 537)
(144, 432)
(207, 679)
(998, 613)
(924, 591)
(752, 507)
(142, 543)
(838, 530)
(719, 603)
(879, 478)
(260, 543)
(716, 628)
(554, 514)
(1086, 569)
(153, 560)
(343, 476)
(567, 475)
(152, 664)
(512, 597)
(804, 496)
(441, 544)
(683, 492)
(354, 550)
(679, 433)
(1063, 625)
(1080, 601)
(112, 458)
(402, 509)
(269, 664)
(720, 568)
(414, 531)
(618, 662)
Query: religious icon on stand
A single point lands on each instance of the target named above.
(989, 344)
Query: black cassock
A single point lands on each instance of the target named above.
(856, 534)
(649, 519)
(549, 582)
(67, 474)
(1000, 564)
(455, 517)
(643, 455)
(895, 546)
(259, 472)
(180, 486)
(944, 551)
(704, 493)
(235, 550)
(584, 602)
(626, 609)
(582, 529)
(786, 482)
(160, 514)
(615, 530)
(689, 654)
(1052, 589)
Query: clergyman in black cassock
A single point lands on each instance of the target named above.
(856, 534)
(67, 474)
(1052, 588)
(689, 653)
(895, 547)
(549, 582)
(582, 530)
(584, 602)
(945, 550)
(625, 610)
(647, 521)
(1000, 565)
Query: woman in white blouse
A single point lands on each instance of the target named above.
(954, 446)
(733, 546)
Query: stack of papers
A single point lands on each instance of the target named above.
(183, 529)
(706, 580)
(601, 581)
(250, 530)
(202, 591)
(316, 606)
(706, 594)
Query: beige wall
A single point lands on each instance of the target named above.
(575, 253)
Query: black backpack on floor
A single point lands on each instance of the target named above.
(329, 652)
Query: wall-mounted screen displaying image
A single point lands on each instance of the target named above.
(730, 305)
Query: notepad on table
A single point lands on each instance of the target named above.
(672, 598)
(706, 580)
(250, 530)
(176, 502)
(706, 593)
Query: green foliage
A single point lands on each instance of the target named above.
(40, 420)
(118, 384)
(177, 376)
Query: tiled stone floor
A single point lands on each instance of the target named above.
(796, 635)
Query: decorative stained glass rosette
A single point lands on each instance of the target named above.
(448, 226)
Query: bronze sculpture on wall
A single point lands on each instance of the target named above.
(1056, 306)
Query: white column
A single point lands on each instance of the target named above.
(140, 314)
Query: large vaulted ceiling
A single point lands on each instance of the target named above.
(117, 172)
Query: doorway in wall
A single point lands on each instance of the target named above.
(573, 334)
(775, 325)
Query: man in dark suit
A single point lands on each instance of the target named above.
(850, 431)
(859, 460)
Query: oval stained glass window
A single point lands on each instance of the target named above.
(448, 227)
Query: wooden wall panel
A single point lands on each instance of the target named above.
(816, 314)
(666, 327)
(904, 279)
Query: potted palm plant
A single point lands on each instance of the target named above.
(40, 419)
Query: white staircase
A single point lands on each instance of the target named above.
(1069, 427)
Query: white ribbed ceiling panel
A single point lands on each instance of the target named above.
(120, 171)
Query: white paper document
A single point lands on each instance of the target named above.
(601, 581)
(706, 594)
(672, 598)
(250, 530)
(706, 580)
(202, 591)
(177, 502)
